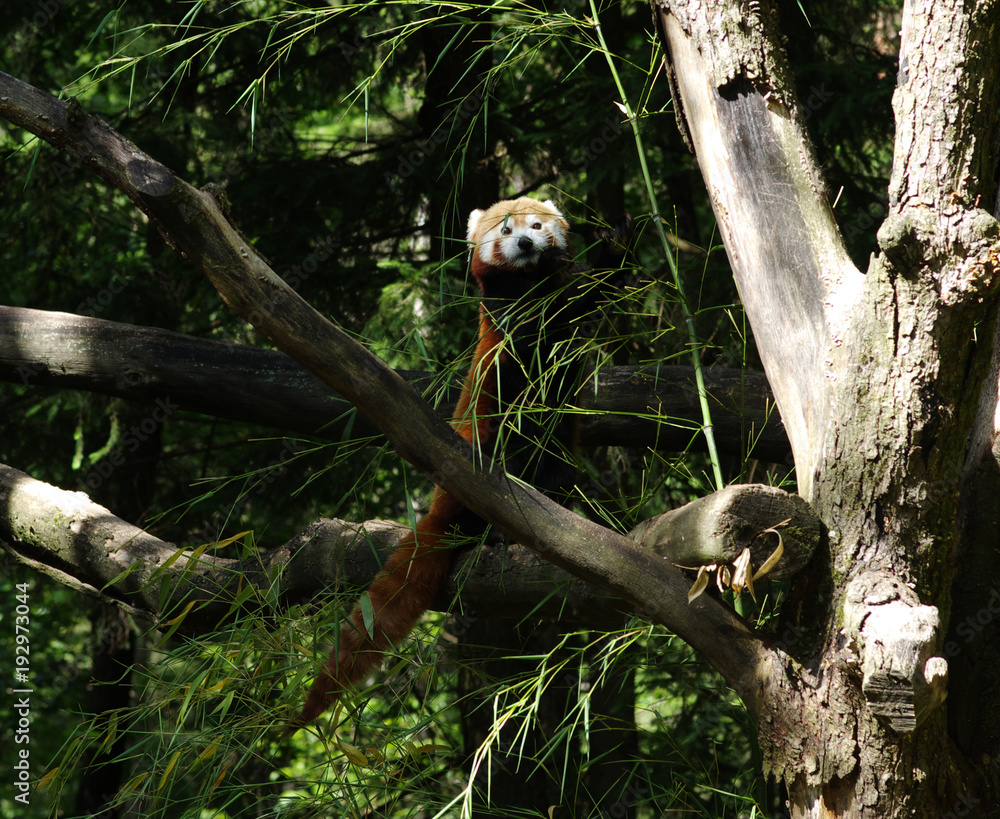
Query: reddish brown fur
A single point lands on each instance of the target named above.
(406, 586)
(417, 566)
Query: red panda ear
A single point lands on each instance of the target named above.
(474, 218)
(550, 204)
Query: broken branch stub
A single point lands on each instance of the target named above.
(895, 638)
(778, 531)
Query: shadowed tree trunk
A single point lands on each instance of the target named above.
(887, 386)
(127, 488)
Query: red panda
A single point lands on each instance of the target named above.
(527, 357)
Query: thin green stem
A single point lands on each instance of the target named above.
(699, 377)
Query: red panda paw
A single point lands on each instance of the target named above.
(552, 260)
(618, 234)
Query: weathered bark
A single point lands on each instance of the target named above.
(718, 528)
(83, 545)
(887, 383)
(652, 406)
(888, 393)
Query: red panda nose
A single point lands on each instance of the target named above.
(524, 243)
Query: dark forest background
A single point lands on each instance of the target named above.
(351, 143)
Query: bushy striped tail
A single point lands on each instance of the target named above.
(401, 593)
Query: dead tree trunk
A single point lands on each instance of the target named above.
(888, 392)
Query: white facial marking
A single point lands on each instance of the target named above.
(516, 239)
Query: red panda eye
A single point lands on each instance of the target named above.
(505, 231)
(536, 226)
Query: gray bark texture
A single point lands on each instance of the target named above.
(652, 406)
(877, 703)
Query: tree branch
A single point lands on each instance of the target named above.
(194, 224)
(653, 406)
(82, 545)
(64, 535)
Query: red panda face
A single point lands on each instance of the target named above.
(513, 233)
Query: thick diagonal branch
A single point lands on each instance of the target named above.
(194, 223)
